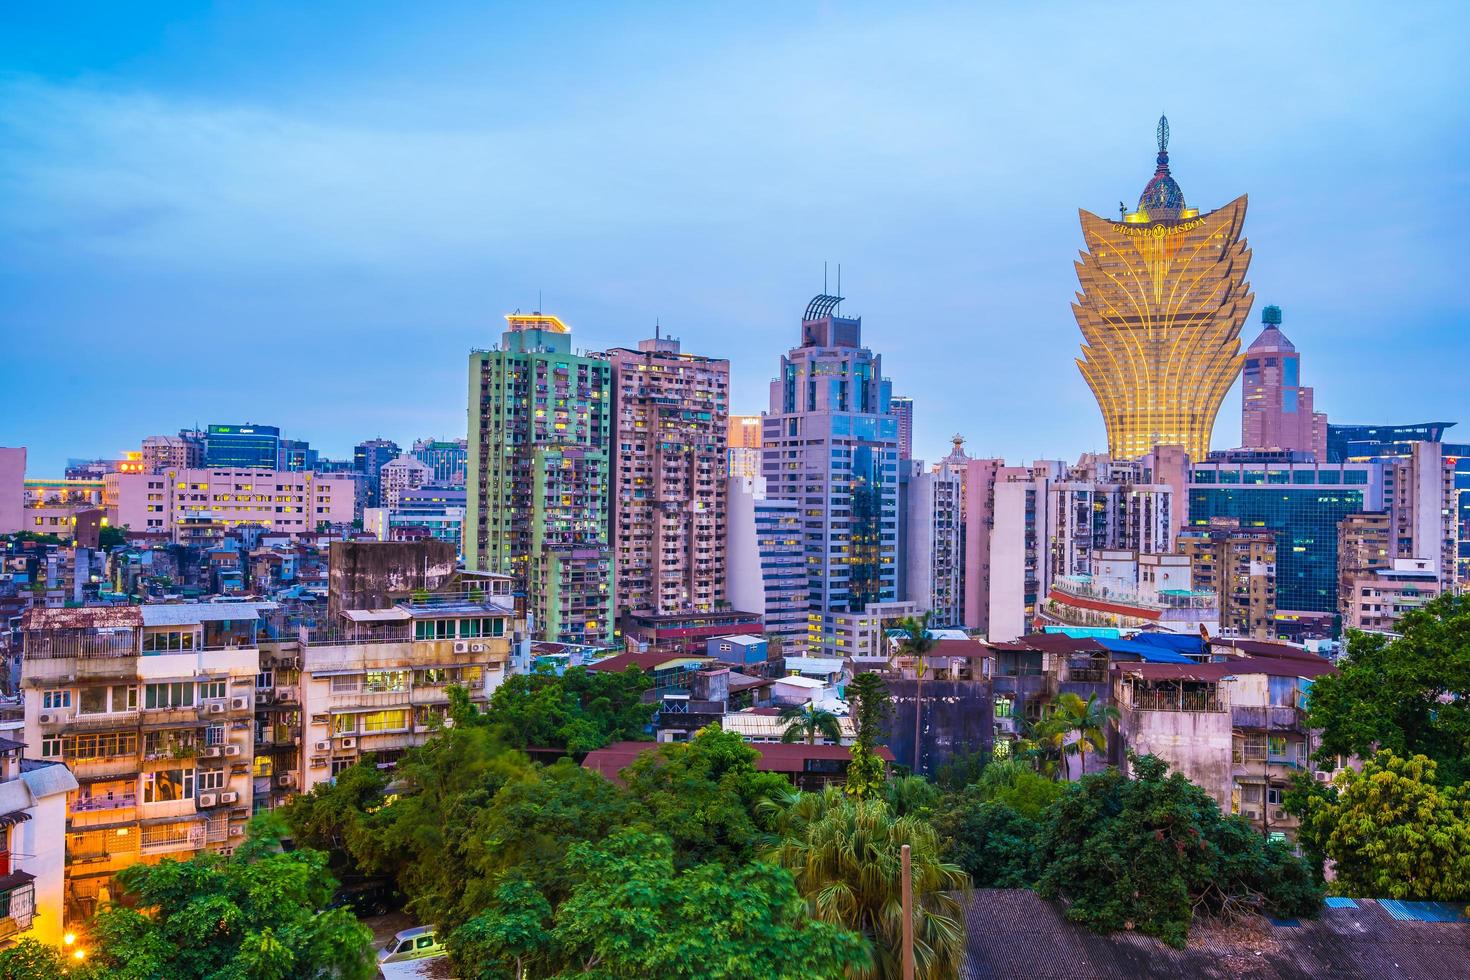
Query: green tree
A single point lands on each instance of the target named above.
(911, 796)
(992, 842)
(332, 814)
(1147, 853)
(258, 913)
(635, 915)
(916, 643)
(844, 856)
(871, 707)
(1082, 727)
(1391, 830)
(1409, 695)
(705, 794)
(804, 722)
(33, 960)
(510, 938)
(578, 711)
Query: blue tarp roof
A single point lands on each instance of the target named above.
(1144, 651)
(1178, 642)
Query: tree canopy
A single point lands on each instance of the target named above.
(1391, 830)
(578, 711)
(1410, 695)
(1145, 853)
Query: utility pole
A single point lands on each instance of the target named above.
(908, 913)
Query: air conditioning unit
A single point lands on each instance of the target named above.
(324, 746)
(208, 799)
(461, 648)
(211, 752)
(1322, 777)
(237, 831)
(229, 797)
(239, 704)
(1251, 814)
(284, 694)
(347, 743)
(217, 707)
(231, 751)
(262, 697)
(50, 719)
(1278, 815)
(477, 648)
(286, 780)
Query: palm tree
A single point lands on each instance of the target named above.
(1088, 721)
(844, 856)
(917, 641)
(807, 721)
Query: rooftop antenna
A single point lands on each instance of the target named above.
(656, 334)
(538, 301)
(839, 287)
(824, 278)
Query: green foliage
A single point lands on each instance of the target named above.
(109, 537)
(866, 773)
(704, 794)
(804, 722)
(511, 938)
(991, 828)
(332, 814)
(1391, 830)
(529, 826)
(1146, 853)
(1077, 727)
(31, 960)
(961, 770)
(256, 914)
(1410, 695)
(578, 711)
(871, 705)
(634, 915)
(845, 858)
(992, 842)
(911, 796)
(916, 643)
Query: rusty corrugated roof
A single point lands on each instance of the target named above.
(82, 617)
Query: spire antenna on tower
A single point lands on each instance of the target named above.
(1163, 133)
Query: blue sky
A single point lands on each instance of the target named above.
(306, 214)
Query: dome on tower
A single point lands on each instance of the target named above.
(1161, 198)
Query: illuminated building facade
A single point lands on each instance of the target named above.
(1162, 302)
(830, 441)
(537, 491)
(670, 412)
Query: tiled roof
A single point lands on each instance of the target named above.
(1015, 933)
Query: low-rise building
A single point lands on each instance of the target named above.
(189, 504)
(32, 846)
(1377, 598)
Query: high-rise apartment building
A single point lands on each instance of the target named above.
(830, 442)
(1162, 302)
(399, 476)
(670, 416)
(1275, 407)
(1422, 500)
(1365, 542)
(765, 563)
(369, 458)
(538, 480)
(930, 550)
(446, 458)
(743, 447)
(240, 446)
(902, 407)
(1238, 564)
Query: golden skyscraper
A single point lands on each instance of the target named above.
(1162, 302)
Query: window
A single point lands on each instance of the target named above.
(110, 745)
(168, 641)
(51, 747)
(265, 680)
(179, 694)
(106, 700)
(214, 735)
(1003, 707)
(385, 681)
(211, 780)
(385, 721)
(56, 699)
(211, 690)
(168, 785)
(1273, 796)
(344, 724)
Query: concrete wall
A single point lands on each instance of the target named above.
(958, 720)
(374, 574)
(1195, 743)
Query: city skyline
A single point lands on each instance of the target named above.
(158, 230)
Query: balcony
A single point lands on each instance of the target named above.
(1262, 717)
(17, 902)
(112, 767)
(173, 837)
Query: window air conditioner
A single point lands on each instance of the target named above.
(348, 743)
(239, 704)
(216, 707)
(461, 648)
(231, 751)
(207, 799)
(229, 797)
